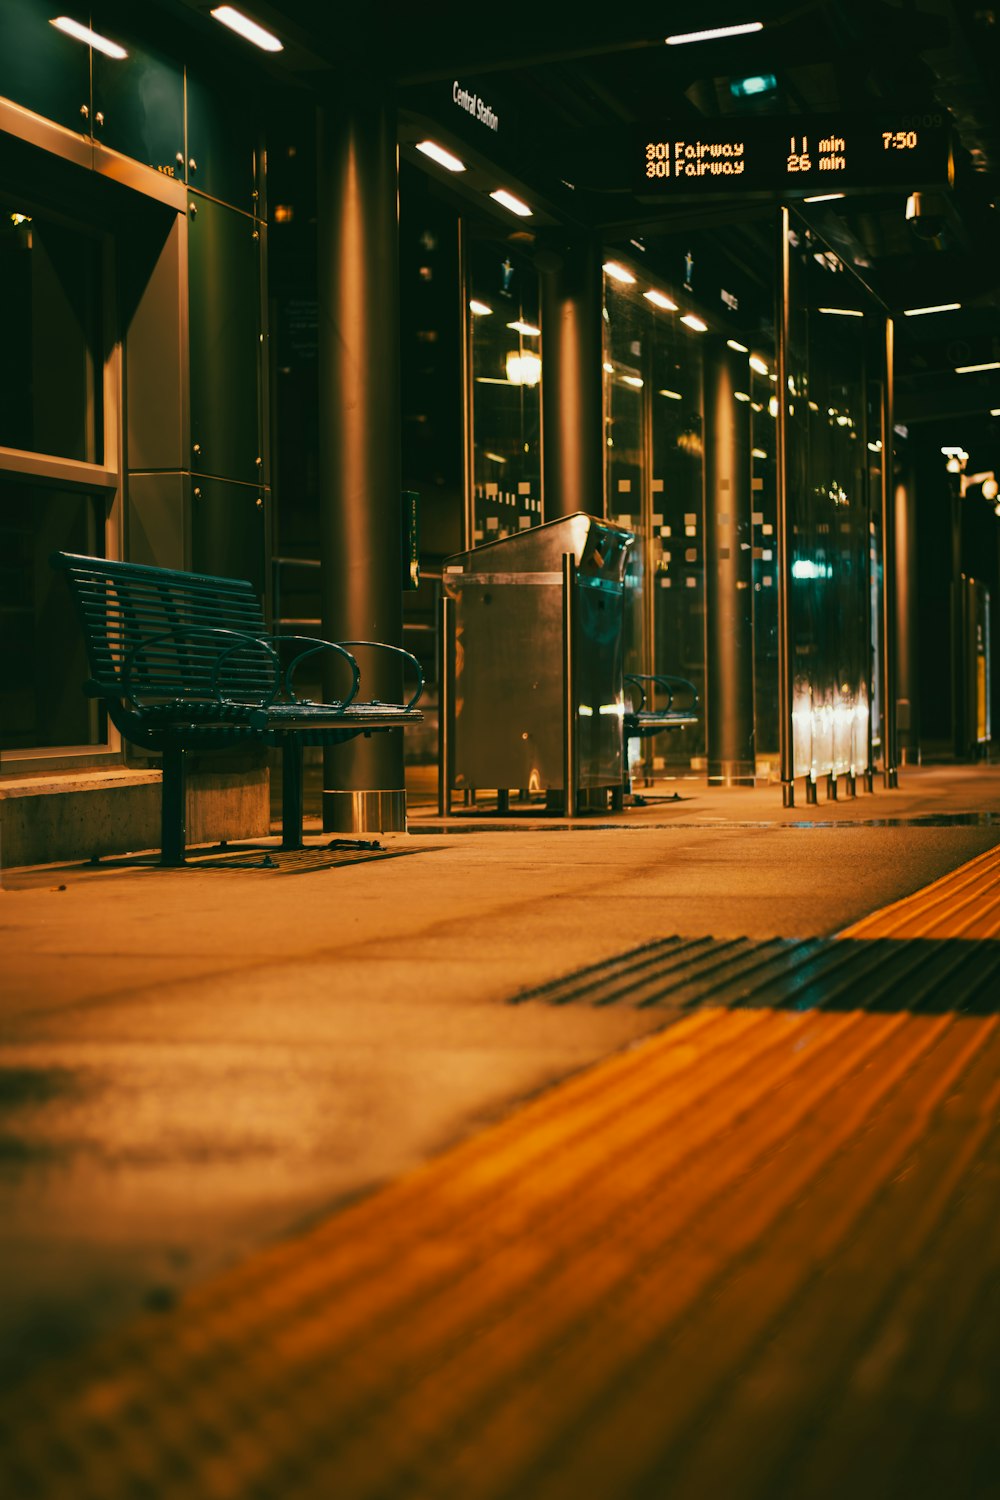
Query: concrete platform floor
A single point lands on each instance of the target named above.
(220, 1086)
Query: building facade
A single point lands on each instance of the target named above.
(246, 310)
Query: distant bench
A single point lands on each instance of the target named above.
(641, 722)
(185, 661)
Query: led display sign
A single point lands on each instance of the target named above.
(801, 154)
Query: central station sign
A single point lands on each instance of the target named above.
(799, 154)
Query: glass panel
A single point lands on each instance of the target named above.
(828, 502)
(224, 271)
(654, 438)
(227, 531)
(141, 99)
(41, 67)
(223, 139)
(50, 317)
(430, 346)
(763, 425)
(42, 662)
(506, 367)
(677, 523)
(625, 328)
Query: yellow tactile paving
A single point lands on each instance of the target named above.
(749, 1257)
(574, 1302)
(964, 904)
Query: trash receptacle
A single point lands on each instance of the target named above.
(532, 694)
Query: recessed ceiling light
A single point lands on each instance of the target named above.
(481, 309)
(698, 324)
(823, 197)
(659, 300)
(672, 395)
(508, 201)
(717, 31)
(734, 344)
(618, 273)
(443, 158)
(92, 38)
(756, 363)
(528, 328)
(919, 312)
(759, 83)
(247, 29)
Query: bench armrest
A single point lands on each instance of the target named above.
(232, 641)
(313, 645)
(667, 684)
(398, 651)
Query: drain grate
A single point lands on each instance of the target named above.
(297, 861)
(882, 974)
(274, 861)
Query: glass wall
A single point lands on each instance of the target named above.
(50, 320)
(677, 569)
(505, 370)
(654, 487)
(764, 481)
(627, 344)
(829, 446)
(57, 472)
(42, 659)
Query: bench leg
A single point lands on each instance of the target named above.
(173, 809)
(291, 792)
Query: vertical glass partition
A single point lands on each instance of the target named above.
(677, 543)
(505, 372)
(51, 377)
(654, 482)
(58, 472)
(764, 484)
(829, 318)
(625, 429)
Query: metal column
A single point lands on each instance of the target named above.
(728, 571)
(890, 757)
(572, 396)
(569, 684)
(785, 657)
(360, 462)
(446, 758)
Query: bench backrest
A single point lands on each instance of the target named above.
(156, 634)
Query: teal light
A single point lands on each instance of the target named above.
(759, 83)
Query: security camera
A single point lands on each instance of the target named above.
(926, 214)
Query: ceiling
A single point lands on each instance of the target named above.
(579, 85)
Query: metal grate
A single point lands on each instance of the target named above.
(273, 861)
(931, 975)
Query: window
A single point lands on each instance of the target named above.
(42, 661)
(505, 363)
(51, 391)
(58, 472)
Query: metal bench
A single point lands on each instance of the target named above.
(185, 661)
(642, 723)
